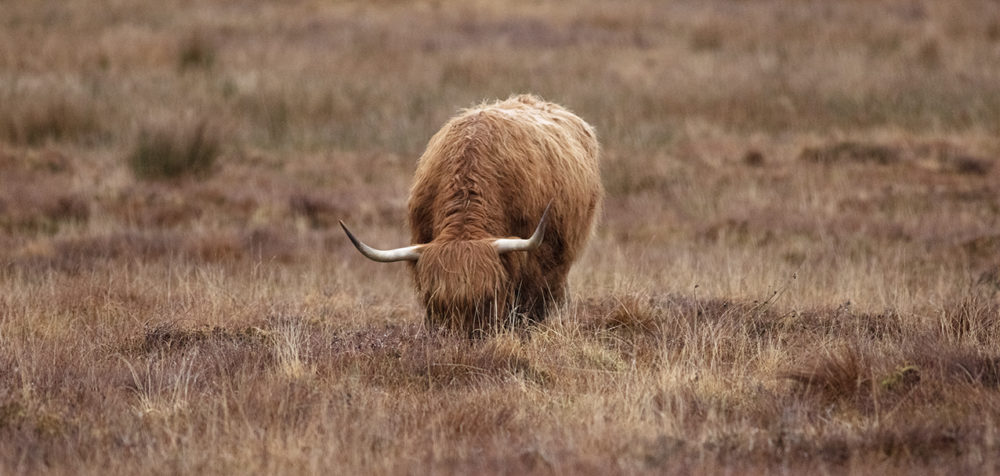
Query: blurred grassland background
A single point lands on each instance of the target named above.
(798, 267)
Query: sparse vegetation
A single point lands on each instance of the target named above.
(797, 269)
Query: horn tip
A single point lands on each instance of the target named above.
(350, 235)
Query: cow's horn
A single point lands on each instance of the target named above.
(504, 245)
(410, 253)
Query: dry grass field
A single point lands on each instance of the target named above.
(797, 270)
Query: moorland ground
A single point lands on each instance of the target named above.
(797, 268)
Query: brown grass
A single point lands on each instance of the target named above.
(797, 270)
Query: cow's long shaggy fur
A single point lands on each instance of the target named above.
(487, 174)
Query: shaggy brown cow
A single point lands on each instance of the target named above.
(494, 172)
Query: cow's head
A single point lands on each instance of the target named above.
(463, 284)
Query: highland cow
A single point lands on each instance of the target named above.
(493, 174)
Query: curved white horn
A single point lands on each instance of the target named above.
(410, 253)
(504, 245)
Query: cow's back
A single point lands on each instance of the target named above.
(492, 170)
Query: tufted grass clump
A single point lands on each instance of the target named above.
(196, 52)
(36, 118)
(166, 153)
